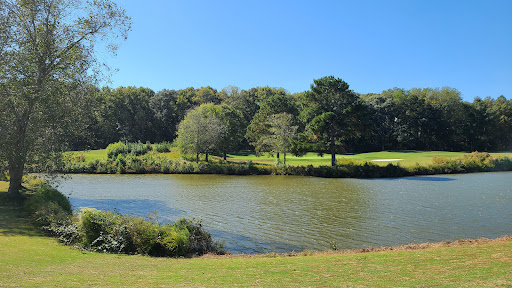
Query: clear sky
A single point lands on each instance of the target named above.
(372, 45)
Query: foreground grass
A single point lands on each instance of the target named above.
(29, 259)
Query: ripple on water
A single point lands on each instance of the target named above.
(255, 214)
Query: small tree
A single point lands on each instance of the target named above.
(200, 132)
(282, 133)
(258, 129)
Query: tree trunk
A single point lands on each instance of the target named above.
(207, 157)
(17, 159)
(197, 158)
(333, 148)
(284, 158)
(16, 176)
(225, 156)
(277, 155)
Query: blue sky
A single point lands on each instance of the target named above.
(372, 45)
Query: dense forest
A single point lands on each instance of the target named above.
(328, 118)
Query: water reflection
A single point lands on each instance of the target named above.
(133, 207)
(414, 178)
(254, 214)
(430, 178)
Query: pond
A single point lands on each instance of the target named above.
(258, 214)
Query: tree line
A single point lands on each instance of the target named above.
(50, 103)
(328, 118)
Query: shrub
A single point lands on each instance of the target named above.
(45, 195)
(138, 148)
(162, 147)
(95, 223)
(51, 211)
(120, 164)
(106, 231)
(135, 149)
(115, 149)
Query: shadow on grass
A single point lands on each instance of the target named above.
(13, 221)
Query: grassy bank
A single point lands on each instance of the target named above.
(29, 259)
(366, 165)
(405, 158)
(382, 158)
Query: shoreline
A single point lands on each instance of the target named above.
(405, 247)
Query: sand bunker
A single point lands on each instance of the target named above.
(383, 160)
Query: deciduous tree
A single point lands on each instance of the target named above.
(200, 132)
(47, 59)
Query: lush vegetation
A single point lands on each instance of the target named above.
(31, 260)
(47, 71)
(360, 165)
(328, 119)
(395, 119)
(107, 231)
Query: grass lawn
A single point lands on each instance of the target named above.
(91, 155)
(408, 158)
(29, 259)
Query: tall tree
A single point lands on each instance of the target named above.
(126, 114)
(259, 125)
(48, 57)
(163, 105)
(233, 120)
(382, 115)
(206, 95)
(329, 110)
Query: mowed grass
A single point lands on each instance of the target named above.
(407, 157)
(91, 155)
(28, 259)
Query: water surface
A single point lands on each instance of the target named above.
(256, 214)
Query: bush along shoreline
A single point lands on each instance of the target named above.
(106, 231)
(124, 163)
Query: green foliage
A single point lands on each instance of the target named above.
(106, 231)
(47, 71)
(138, 148)
(162, 147)
(51, 211)
(45, 195)
(201, 131)
(346, 167)
(331, 113)
(115, 149)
